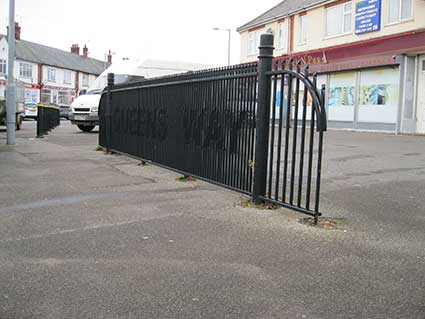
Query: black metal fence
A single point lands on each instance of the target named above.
(215, 125)
(201, 124)
(48, 117)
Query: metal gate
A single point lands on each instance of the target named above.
(222, 126)
(289, 172)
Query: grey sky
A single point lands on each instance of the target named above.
(171, 30)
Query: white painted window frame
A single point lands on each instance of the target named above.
(344, 13)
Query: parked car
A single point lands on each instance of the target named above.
(64, 110)
(30, 110)
(19, 104)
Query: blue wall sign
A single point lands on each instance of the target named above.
(368, 16)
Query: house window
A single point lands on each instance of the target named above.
(2, 66)
(85, 80)
(25, 70)
(67, 77)
(254, 41)
(338, 19)
(51, 74)
(399, 10)
(283, 35)
(303, 29)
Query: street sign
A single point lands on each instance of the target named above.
(368, 16)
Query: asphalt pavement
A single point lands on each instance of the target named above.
(89, 235)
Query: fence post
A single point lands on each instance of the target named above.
(108, 111)
(40, 121)
(263, 116)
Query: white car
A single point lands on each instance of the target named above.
(30, 110)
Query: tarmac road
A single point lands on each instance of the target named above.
(88, 235)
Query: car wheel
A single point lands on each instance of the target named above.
(86, 128)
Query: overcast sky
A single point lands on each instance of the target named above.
(167, 30)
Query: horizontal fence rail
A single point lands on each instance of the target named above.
(201, 124)
(48, 117)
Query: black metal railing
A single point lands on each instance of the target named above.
(48, 117)
(201, 123)
(250, 127)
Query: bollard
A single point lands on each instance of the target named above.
(263, 116)
(108, 111)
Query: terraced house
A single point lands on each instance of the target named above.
(369, 53)
(49, 74)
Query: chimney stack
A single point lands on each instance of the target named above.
(75, 49)
(17, 31)
(85, 51)
(110, 57)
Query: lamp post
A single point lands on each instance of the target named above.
(228, 46)
(10, 93)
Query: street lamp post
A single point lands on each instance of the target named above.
(229, 41)
(10, 93)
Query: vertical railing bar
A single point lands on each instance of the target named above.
(233, 116)
(239, 156)
(206, 101)
(288, 124)
(311, 148)
(227, 129)
(319, 160)
(319, 172)
(272, 130)
(294, 139)
(247, 132)
(211, 107)
(254, 115)
(215, 133)
(302, 147)
(279, 141)
(244, 171)
(219, 129)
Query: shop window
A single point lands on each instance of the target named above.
(303, 29)
(399, 10)
(55, 97)
(67, 77)
(338, 20)
(341, 96)
(3, 66)
(85, 80)
(283, 35)
(25, 70)
(46, 96)
(254, 41)
(378, 96)
(51, 74)
(64, 97)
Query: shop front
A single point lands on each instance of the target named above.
(57, 95)
(376, 85)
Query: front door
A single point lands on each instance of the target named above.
(421, 96)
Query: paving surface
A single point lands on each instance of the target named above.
(88, 235)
